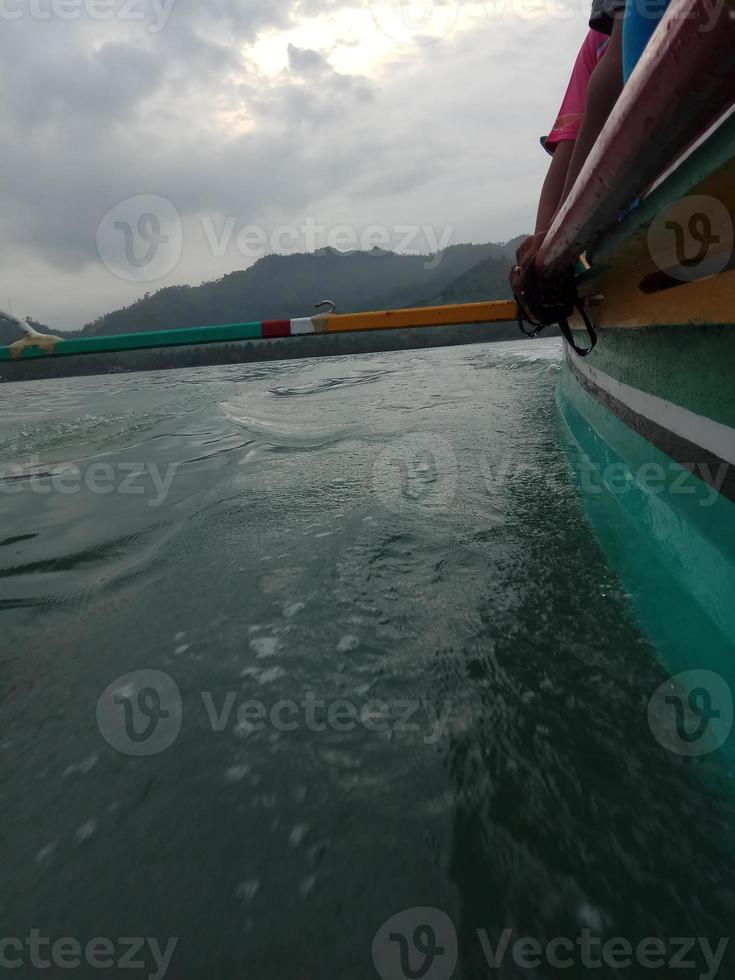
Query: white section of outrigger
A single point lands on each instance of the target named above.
(23, 324)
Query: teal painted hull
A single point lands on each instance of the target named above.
(667, 532)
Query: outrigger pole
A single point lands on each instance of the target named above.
(35, 345)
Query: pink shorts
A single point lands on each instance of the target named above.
(572, 109)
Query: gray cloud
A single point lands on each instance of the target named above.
(94, 112)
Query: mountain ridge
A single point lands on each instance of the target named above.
(286, 286)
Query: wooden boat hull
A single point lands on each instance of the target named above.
(649, 416)
(674, 387)
(667, 531)
(649, 423)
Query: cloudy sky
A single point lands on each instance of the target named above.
(151, 142)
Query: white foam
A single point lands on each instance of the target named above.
(83, 767)
(307, 886)
(297, 834)
(85, 831)
(247, 890)
(46, 853)
(590, 917)
(236, 774)
(265, 646)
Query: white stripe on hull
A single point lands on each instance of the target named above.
(719, 439)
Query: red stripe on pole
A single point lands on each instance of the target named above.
(684, 82)
(276, 328)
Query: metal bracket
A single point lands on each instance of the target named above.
(327, 302)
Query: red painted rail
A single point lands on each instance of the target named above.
(683, 83)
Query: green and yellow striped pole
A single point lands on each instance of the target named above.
(34, 345)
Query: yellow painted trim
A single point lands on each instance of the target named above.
(619, 302)
(429, 316)
(44, 341)
(622, 304)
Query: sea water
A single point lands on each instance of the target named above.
(317, 669)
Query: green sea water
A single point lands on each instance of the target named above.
(294, 650)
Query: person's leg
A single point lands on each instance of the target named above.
(550, 194)
(554, 184)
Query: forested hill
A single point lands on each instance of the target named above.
(288, 286)
(285, 286)
(486, 280)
